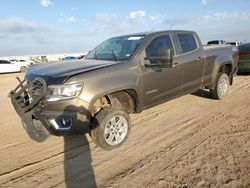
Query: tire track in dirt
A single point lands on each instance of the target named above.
(177, 152)
(239, 84)
(31, 167)
(233, 115)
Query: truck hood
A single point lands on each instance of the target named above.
(57, 73)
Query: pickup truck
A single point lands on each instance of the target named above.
(216, 42)
(123, 75)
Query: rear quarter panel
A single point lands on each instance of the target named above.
(215, 58)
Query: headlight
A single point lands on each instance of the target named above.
(62, 92)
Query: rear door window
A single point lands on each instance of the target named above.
(187, 42)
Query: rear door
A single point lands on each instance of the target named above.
(191, 60)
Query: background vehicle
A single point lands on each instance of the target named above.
(69, 58)
(221, 42)
(14, 66)
(122, 75)
(244, 59)
(237, 43)
(21, 61)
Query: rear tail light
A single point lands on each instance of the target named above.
(244, 54)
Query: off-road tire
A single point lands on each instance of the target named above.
(103, 122)
(221, 86)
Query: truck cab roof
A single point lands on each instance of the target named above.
(157, 32)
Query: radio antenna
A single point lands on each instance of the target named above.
(170, 26)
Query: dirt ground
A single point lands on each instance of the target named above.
(192, 141)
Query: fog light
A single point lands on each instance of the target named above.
(61, 124)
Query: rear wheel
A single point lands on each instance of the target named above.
(221, 86)
(111, 128)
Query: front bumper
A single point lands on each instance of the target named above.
(63, 122)
(57, 118)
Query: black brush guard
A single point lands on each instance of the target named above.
(23, 103)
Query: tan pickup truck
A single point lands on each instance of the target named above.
(122, 75)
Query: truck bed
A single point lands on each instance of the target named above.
(215, 50)
(209, 47)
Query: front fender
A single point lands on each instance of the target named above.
(102, 82)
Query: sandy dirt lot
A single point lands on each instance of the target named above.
(192, 141)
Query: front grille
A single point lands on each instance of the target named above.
(28, 94)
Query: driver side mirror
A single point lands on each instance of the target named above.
(163, 59)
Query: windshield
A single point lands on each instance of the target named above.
(116, 49)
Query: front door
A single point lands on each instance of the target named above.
(159, 84)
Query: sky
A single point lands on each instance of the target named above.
(58, 26)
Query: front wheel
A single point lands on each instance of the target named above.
(111, 128)
(221, 86)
